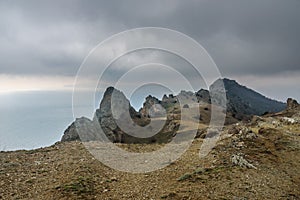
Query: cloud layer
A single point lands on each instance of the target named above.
(245, 38)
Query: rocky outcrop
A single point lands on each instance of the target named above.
(152, 107)
(203, 96)
(105, 117)
(71, 133)
(292, 112)
(292, 104)
(115, 110)
(169, 101)
(115, 99)
(82, 129)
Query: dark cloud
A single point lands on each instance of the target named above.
(243, 37)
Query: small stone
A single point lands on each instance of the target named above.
(114, 179)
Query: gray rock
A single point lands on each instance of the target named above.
(203, 96)
(239, 160)
(113, 106)
(81, 125)
(292, 104)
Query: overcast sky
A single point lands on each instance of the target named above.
(256, 42)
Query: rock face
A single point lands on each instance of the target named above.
(151, 107)
(71, 133)
(203, 96)
(82, 129)
(113, 111)
(169, 101)
(106, 117)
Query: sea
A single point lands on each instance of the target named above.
(30, 120)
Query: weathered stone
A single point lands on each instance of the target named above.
(82, 129)
(239, 160)
(292, 104)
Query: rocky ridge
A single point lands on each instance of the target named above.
(241, 104)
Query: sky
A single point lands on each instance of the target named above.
(43, 43)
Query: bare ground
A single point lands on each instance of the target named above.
(69, 171)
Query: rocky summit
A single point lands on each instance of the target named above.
(244, 102)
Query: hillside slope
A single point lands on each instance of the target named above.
(243, 101)
(256, 160)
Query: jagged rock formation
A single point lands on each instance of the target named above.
(87, 130)
(152, 107)
(241, 104)
(169, 100)
(106, 118)
(113, 111)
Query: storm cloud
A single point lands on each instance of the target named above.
(246, 39)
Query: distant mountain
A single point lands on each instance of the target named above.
(243, 101)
